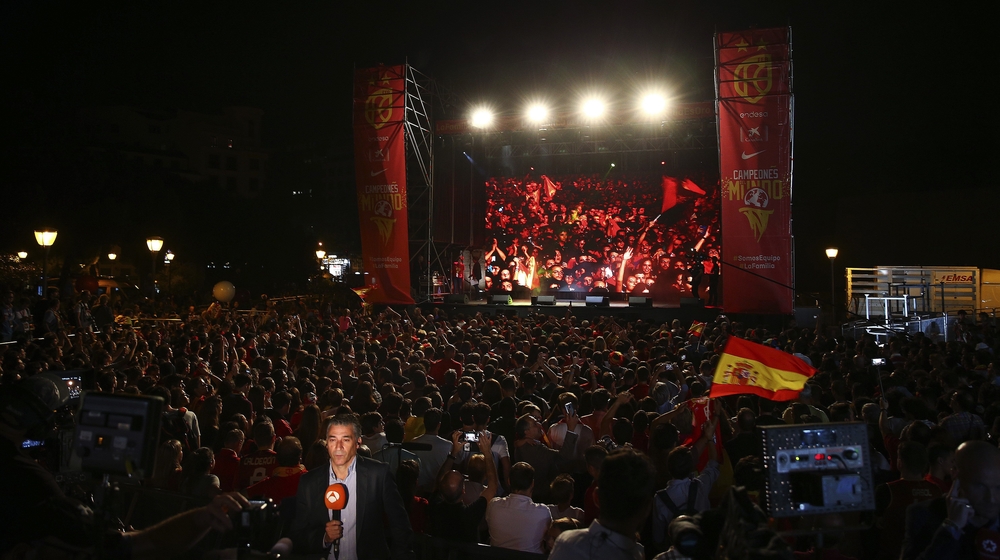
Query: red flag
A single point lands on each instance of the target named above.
(549, 186)
(669, 193)
(689, 185)
(696, 328)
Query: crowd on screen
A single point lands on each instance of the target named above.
(572, 417)
(592, 234)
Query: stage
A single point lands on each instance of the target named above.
(647, 310)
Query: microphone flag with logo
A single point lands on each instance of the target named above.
(335, 499)
(750, 368)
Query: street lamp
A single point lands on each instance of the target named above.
(45, 238)
(831, 254)
(154, 244)
(22, 255)
(112, 255)
(167, 259)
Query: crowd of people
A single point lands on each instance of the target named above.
(585, 233)
(545, 433)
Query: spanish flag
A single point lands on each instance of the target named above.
(750, 368)
(697, 328)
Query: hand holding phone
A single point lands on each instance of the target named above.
(959, 510)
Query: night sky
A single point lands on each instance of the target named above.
(893, 122)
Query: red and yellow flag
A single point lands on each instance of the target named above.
(750, 368)
(696, 328)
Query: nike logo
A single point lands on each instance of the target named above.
(748, 156)
(374, 173)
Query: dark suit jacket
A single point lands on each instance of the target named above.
(927, 539)
(383, 529)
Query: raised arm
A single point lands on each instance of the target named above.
(493, 482)
(609, 417)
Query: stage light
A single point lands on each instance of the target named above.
(653, 104)
(593, 108)
(538, 113)
(481, 118)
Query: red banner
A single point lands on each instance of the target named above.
(755, 160)
(380, 164)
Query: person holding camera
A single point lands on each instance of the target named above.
(449, 517)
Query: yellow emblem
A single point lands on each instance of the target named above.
(758, 220)
(740, 373)
(752, 78)
(385, 226)
(378, 105)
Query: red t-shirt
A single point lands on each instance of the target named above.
(439, 368)
(904, 494)
(701, 412)
(590, 508)
(227, 467)
(255, 467)
(283, 483)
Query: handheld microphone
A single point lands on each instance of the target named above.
(335, 499)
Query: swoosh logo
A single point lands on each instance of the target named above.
(374, 173)
(746, 156)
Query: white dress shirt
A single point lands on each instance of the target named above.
(518, 523)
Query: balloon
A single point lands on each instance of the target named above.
(224, 291)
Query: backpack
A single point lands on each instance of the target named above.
(689, 507)
(173, 426)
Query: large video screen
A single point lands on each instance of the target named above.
(650, 235)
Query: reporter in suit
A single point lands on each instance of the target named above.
(374, 524)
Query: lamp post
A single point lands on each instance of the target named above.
(831, 254)
(320, 255)
(21, 256)
(111, 257)
(154, 244)
(168, 258)
(45, 237)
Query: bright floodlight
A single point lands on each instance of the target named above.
(653, 104)
(593, 108)
(537, 113)
(481, 118)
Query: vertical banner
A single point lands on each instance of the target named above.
(755, 161)
(380, 164)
